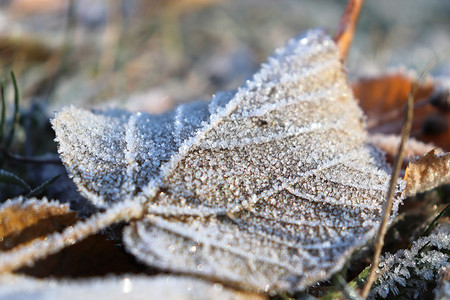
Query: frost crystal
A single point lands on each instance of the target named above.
(413, 269)
(126, 287)
(269, 187)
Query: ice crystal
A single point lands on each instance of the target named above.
(268, 187)
(411, 270)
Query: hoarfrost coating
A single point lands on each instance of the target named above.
(272, 186)
(412, 269)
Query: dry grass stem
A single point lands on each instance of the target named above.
(406, 129)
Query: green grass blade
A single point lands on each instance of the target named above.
(347, 291)
(3, 113)
(37, 191)
(356, 283)
(433, 223)
(16, 111)
(8, 177)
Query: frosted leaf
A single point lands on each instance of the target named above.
(112, 155)
(124, 287)
(268, 187)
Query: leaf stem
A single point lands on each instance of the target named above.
(346, 27)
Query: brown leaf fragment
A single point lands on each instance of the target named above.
(37, 249)
(383, 97)
(388, 92)
(23, 220)
(427, 173)
(29, 49)
(97, 255)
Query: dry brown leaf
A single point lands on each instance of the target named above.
(382, 98)
(427, 173)
(97, 255)
(24, 220)
(21, 222)
(388, 92)
(27, 48)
